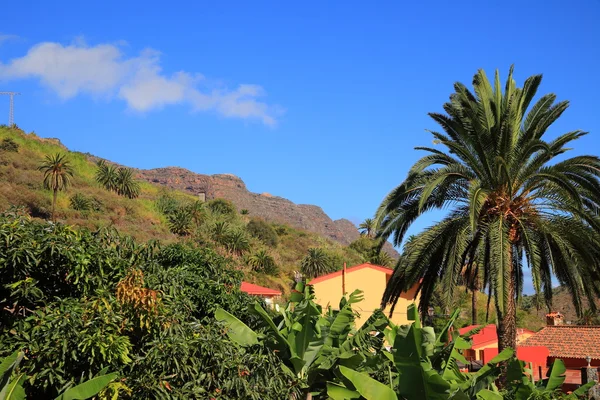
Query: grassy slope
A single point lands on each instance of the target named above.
(21, 184)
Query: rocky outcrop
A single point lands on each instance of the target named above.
(271, 208)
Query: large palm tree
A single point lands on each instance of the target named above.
(57, 175)
(511, 203)
(367, 227)
(315, 263)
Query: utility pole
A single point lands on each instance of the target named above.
(11, 112)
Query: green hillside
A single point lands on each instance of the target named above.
(147, 216)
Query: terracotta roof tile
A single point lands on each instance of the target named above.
(258, 290)
(568, 341)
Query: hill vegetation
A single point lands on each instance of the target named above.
(97, 198)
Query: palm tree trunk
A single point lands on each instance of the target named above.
(54, 203)
(507, 322)
(474, 306)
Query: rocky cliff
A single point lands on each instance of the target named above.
(266, 206)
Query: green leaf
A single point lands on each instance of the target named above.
(556, 375)
(486, 394)
(282, 343)
(87, 389)
(368, 387)
(14, 389)
(338, 392)
(236, 329)
(583, 390)
(11, 362)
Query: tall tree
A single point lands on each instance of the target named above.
(315, 263)
(57, 175)
(367, 227)
(511, 202)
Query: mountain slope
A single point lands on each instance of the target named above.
(21, 185)
(270, 208)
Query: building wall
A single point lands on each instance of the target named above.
(372, 283)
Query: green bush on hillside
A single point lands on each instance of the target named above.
(262, 231)
(9, 145)
(221, 207)
(80, 202)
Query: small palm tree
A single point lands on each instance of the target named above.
(237, 242)
(197, 211)
(382, 258)
(315, 263)
(126, 184)
(80, 203)
(106, 175)
(57, 175)
(367, 227)
(262, 261)
(180, 222)
(219, 231)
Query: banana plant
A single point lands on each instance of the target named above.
(521, 387)
(311, 343)
(11, 384)
(426, 366)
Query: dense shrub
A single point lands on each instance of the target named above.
(263, 231)
(263, 262)
(79, 301)
(180, 221)
(80, 202)
(221, 207)
(166, 204)
(9, 144)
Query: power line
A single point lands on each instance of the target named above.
(11, 113)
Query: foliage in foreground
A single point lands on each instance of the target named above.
(312, 345)
(11, 382)
(426, 367)
(79, 302)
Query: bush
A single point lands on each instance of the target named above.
(80, 202)
(221, 207)
(180, 221)
(10, 145)
(166, 204)
(157, 330)
(262, 261)
(263, 231)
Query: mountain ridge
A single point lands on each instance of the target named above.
(263, 205)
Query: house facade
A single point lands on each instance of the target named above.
(372, 280)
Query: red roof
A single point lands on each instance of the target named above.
(569, 341)
(256, 290)
(335, 274)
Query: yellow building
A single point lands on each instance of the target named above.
(372, 280)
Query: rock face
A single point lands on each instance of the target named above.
(266, 206)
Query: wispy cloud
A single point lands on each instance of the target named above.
(105, 71)
(5, 37)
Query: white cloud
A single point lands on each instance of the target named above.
(104, 71)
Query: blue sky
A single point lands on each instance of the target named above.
(318, 103)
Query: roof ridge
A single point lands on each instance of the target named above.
(571, 326)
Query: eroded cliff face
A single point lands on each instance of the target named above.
(271, 208)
